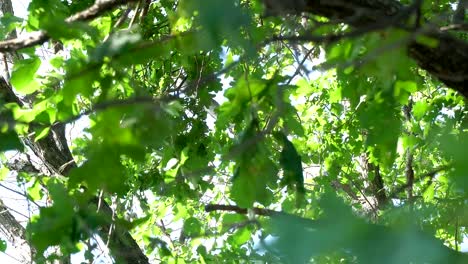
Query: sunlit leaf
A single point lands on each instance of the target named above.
(3, 173)
(23, 75)
(3, 245)
(10, 141)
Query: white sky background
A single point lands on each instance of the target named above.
(20, 8)
(19, 203)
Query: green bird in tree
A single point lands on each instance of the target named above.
(291, 163)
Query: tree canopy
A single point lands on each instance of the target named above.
(208, 131)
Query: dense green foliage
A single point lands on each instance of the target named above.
(358, 153)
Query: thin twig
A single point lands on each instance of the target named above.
(429, 175)
(20, 193)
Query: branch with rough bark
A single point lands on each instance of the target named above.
(53, 149)
(237, 209)
(446, 61)
(10, 227)
(39, 37)
(55, 154)
(429, 175)
(15, 233)
(409, 170)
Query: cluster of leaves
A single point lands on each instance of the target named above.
(282, 137)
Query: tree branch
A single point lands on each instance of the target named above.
(15, 233)
(446, 61)
(39, 37)
(378, 186)
(429, 175)
(237, 209)
(53, 151)
(409, 170)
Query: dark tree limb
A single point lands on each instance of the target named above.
(39, 37)
(378, 186)
(15, 233)
(409, 170)
(429, 175)
(56, 156)
(121, 244)
(446, 61)
(237, 209)
(11, 229)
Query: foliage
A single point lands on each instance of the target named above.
(359, 150)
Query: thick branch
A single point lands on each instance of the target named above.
(378, 185)
(53, 149)
(54, 152)
(11, 229)
(430, 175)
(237, 209)
(409, 171)
(39, 37)
(121, 244)
(447, 61)
(15, 233)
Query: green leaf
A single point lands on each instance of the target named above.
(383, 126)
(3, 245)
(192, 227)
(419, 109)
(428, 41)
(251, 181)
(35, 191)
(8, 22)
(4, 173)
(241, 236)
(119, 43)
(228, 220)
(408, 86)
(23, 76)
(57, 28)
(161, 245)
(454, 148)
(335, 95)
(240, 95)
(10, 141)
(79, 82)
(41, 12)
(54, 225)
(428, 194)
(41, 133)
(174, 108)
(218, 24)
(101, 172)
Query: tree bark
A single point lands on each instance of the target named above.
(16, 235)
(53, 151)
(11, 229)
(447, 61)
(55, 155)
